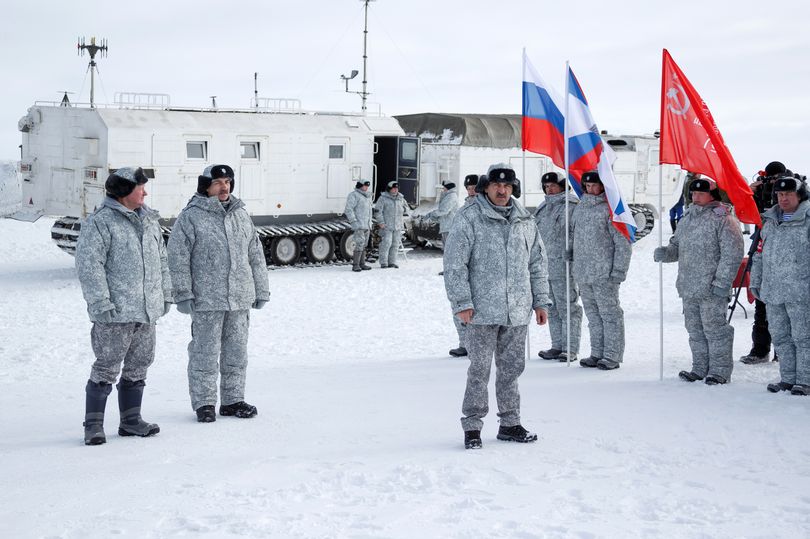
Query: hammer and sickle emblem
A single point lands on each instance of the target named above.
(675, 94)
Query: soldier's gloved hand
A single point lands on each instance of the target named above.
(569, 255)
(755, 293)
(167, 306)
(259, 303)
(186, 306)
(659, 253)
(106, 317)
(720, 292)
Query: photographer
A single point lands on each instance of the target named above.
(763, 196)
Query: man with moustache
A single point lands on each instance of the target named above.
(121, 262)
(495, 278)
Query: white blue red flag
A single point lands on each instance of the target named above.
(587, 152)
(543, 122)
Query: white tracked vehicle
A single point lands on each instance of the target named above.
(293, 168)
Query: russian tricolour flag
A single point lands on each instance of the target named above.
(587, 151)
(543, 122)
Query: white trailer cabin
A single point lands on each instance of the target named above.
(293, 169)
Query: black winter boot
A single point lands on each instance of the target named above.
(689, 376)
(800, 389)
(239, 409)
(472, 439)
(363, 265)
(206, 414)
(356, 260)
(95, 403)
(715, 380)
(130, 395)
(589, 362)
(551, 353)
(779, 386)
(458, 352)
(516, 434)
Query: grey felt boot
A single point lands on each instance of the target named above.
(95, 403)
(130, 395)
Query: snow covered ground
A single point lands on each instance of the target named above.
(358, 430)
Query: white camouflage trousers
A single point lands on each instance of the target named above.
(789, 324)
(605, 319)
(218, 346)
(557, 324)
(508, 345)
(389, 246)
(711, 338)
(132, 344)
(360, 238)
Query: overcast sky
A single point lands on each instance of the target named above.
(750, 60)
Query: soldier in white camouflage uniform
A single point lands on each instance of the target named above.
(550, 220)
(446, 210)
(495, 276)
(121, 262)
(601, 256)
(389, 210)
(219, 272)
(779, 277)
(358, 211)
(708, 247)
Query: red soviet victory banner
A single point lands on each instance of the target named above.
(690, 139)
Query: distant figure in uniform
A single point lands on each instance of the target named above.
(779, 278)
(446, 209)
(470, 183)
(601, 256)
(550, 220)
(764, 198)
(389, 209)
(708, 247)
(219, 273)
(358, 212)
(122, 267)
(495, 277)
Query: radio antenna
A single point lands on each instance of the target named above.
(92, 49)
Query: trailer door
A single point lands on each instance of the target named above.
(338, 172)
(249, 185)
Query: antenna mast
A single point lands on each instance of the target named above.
(346, 78)
(364, 93)
(92, 49)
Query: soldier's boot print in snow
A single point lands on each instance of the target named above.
(130, 395)
(96, 402)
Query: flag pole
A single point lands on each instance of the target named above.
(567, 239)
(523, 172)
(661, 269)
(661, 235)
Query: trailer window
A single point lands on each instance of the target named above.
(249, 150)
(336, 151)
(408, 151)
(197, 150)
